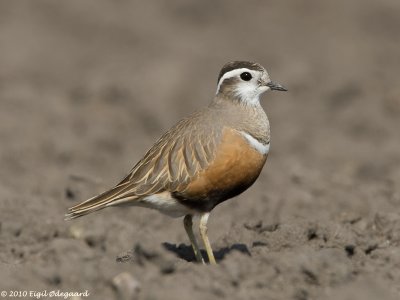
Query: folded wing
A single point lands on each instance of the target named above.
(170, 165)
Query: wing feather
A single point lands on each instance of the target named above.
(175, 160)
(170, 165)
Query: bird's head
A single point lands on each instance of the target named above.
(244, 82)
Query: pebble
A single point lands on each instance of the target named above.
(126, 286)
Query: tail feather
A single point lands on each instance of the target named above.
(101, 201)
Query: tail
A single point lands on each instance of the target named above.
(117, 195)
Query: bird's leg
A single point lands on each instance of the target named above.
(187, 222)
(203, 233)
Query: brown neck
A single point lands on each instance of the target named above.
(248, 118)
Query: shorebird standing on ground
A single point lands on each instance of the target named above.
(205, 159)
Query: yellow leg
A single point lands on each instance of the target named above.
(188, 223)
(203, 233)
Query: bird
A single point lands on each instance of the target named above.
(214, 154)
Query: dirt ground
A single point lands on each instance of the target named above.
(86, 87)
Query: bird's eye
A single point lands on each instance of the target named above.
(246, 76)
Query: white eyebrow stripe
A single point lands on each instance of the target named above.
(260, 147)
(230, 74)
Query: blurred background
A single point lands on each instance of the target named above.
(86, 87)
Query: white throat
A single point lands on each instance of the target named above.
(248, 95)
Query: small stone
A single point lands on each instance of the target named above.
(125, 257)
(258, 226)
(76, 232)
(126, 286)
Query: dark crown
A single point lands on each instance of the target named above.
(230, 66)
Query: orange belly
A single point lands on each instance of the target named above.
(235, 168)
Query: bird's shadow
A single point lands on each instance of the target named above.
(186, 252)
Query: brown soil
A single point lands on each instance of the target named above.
(87, 86)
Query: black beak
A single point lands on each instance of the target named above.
(276, 86)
